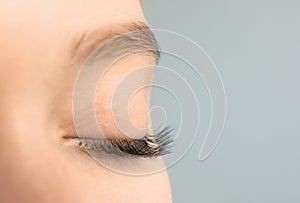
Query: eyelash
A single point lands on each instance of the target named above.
(149, 146)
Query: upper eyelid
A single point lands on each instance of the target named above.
(89, 41)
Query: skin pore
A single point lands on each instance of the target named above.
(37, 76)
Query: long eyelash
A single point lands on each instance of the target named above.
(150, 145)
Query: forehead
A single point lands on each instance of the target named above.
(64, 16)
(79, 11)
(47, 28)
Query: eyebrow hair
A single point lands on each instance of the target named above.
(140, 35)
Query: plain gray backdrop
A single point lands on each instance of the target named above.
(255, 45)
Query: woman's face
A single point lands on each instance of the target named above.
(42, 47)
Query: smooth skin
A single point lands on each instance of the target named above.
(37, 76)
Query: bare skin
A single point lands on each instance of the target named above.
(37, 77)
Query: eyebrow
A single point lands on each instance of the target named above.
(140, 35)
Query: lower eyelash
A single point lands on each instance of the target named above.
(150, 145)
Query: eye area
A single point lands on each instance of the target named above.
(150, 146)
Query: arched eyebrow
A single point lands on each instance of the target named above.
(89, 40)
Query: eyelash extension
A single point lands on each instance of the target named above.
(149, 146)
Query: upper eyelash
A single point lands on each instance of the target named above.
(151, 145)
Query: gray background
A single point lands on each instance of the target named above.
(255, 45)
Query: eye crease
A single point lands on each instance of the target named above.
(149, 146)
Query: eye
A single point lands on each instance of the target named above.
(150, 146)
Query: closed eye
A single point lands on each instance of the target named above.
(149, 146)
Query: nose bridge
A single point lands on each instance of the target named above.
(22, 114)
(23, 100)
(21, 104)
(28, 158)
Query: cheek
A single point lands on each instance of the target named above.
(97, 183)
(107, 186)
(146, 189)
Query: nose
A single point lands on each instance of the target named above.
(31, 169)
